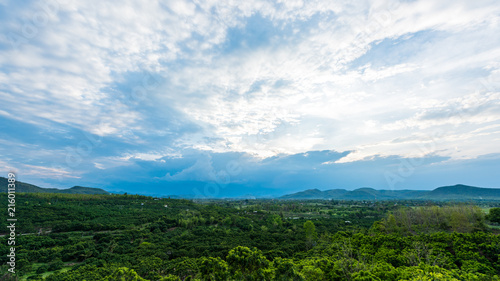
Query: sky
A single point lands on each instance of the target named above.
(250, 98)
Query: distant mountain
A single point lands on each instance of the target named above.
(29, 188)
(365, 193)
(83, 190)
(335, 192)
(315, 194)
(456, 192)
(463, 192)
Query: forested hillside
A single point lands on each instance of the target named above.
(458, 192)
(30, 188)
(131, 237)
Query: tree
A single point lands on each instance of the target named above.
(55, 265)
(494, 215)
(150, 268)
(285, 269)
(42, 269)
(184, 267)
(363, 275)
(124, 274)
(247, 264)
(312, 273)
(170, 277)
(310, 231)
(214, 269)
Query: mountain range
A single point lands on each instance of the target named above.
(455, 192)
(30, 188)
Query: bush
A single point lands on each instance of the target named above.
(494, 215)
(56, 265)
(42, 269)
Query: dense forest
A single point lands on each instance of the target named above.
(130, 237)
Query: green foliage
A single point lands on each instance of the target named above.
(122, 237)
(214, 269)
(86, 272)
(459, 218)
(36, 277)
(285, 270)
(310, 232)
(171, 277)
(312, 273)
(184, 267)
(42, 269)
(124, 274)
(150, 267)
(55, 265)
(364, 275)
(247, 264)
(494, 215)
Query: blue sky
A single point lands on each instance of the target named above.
(231, 98)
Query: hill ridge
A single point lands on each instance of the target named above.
(31, 188)
(452, 192)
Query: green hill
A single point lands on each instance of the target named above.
(315, 194)
(306, 194)
(334, 193)
(365, 193)
(463, 192)
(455, 192)
(30, 188)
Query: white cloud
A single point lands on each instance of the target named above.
(46, 172)
(317, 82)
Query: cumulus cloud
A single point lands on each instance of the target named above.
(151, 80)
